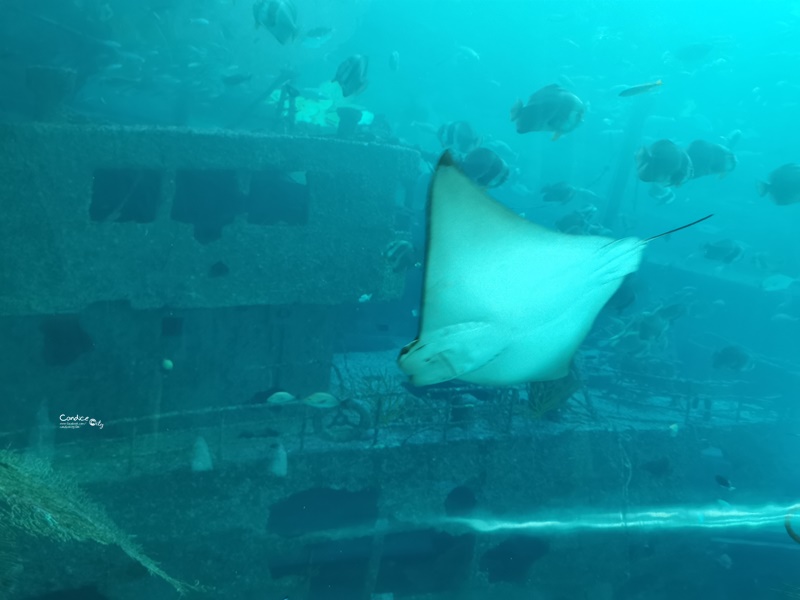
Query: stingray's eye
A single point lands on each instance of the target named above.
(407, 348)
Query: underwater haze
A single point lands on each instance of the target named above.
(383, 300)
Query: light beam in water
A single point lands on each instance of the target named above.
(668, 518)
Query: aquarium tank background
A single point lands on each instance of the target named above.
(369, 300)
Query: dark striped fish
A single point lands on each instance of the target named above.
(485, 167)
(352, 75)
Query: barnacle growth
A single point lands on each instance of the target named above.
(37, 501)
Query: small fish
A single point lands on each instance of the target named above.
(724, 482)
(710, 159)
(783, 185)
(200, 21)
(663, 162)
(733, 138)
(237, 78)
(485, 167)
(364, 298)
(133, 57)
(733, 359)
(322, 400)
(458, 136)
(351, 75)
(317, 37)
(394, 61)
(552, 108)
(725, 251)
(466, 53)
(640, 89)
(560, 192)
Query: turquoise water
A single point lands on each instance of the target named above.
(229, 255)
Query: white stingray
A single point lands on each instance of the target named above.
(505, 301)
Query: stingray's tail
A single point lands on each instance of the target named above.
(679, 228)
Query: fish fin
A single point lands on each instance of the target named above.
(658, 82)
(556, 135)
(516, 109)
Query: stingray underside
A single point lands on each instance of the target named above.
(505, 301)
